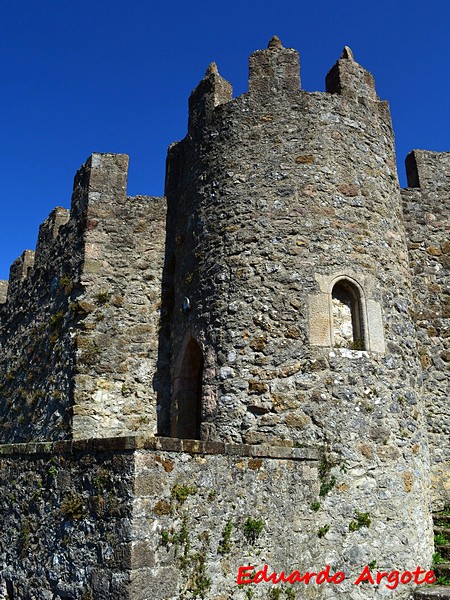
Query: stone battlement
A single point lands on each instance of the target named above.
(263, 350)
(274, 73)
(62, 301)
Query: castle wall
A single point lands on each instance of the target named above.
(186, 500)
(37, 351)
(79, 326)
(277, 196)
(121, 279)
(296, 339)
(426, 213)
(191, 510)
(155, 518)
(66, 521)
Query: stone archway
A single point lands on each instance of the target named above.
(347, 330)
(187, 393)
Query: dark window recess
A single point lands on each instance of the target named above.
(186, 419)
(346, 308)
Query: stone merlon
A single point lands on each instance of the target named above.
(275, 70)
(428, 170)
(350, 79)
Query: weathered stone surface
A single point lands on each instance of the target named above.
(432, 593)
(296, 336)
(108, 523)
(427, 219)
(3, 291)
(66, 523)
(80, 324)
(207, 493)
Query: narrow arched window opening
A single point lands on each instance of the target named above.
(186, 418)
(346, 309)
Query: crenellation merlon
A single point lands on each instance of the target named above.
(348, 78)
(274, 71)
(48, 232)
(212, 90)
(101, 179)
(18, 272)
(429, 171)
(104, 257)
(3, 291)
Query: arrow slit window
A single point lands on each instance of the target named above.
(347, 329)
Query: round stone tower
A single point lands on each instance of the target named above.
(286, 289)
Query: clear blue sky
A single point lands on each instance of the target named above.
(113, 76)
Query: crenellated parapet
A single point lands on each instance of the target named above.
(274, 73)
(37, 276)
(79, 322)
(427, 220)
(290, 350)
(287, 288)
(429, 171)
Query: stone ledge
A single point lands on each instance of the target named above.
(164, 444)
(432, 593)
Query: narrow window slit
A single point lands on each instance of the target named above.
(186, 420)
(346, 310)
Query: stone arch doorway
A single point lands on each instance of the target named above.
(187, 393)
(347, 328)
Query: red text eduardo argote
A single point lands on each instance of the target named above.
(391, 579)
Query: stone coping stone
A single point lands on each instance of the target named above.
(432, 593)
(163, 444)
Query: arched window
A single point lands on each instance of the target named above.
(187, 393)
(344, 313)
(347, 329)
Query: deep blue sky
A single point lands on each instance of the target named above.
(113, 76)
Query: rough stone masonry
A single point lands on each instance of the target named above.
(252, 370)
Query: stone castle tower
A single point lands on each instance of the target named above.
(272, 388)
